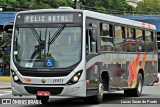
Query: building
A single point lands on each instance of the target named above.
(6, 17)
(133, 2)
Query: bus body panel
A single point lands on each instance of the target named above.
(118, 66)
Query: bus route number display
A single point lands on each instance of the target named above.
(48, 18)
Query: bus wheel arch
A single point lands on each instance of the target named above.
(137, 91)
(105, 80)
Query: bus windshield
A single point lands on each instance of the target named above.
(41, 47)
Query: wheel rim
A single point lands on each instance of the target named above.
(150, 84)
(101, 90)
(140, 86)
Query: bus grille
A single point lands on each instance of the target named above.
(52, 90)
(44, 74)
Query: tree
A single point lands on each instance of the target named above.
(148, 6)
(106, 6)
(109, 6)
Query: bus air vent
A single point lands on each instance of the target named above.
(52, 90)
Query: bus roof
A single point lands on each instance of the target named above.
(119, 20)
(100, 16)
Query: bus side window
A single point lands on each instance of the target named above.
(149, 41)
(140, 40)
(119, 39)
(106, 33)
(155, 41)
(131, 40)
(91, 43)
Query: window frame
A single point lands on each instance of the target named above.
(123, 35)
(152, 40)
(111, 35)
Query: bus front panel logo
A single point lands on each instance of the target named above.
(43, 80)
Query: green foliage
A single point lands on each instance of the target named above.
(100, 5)
(109, 6)
(64, 3)
(7, 41)
(149, 6)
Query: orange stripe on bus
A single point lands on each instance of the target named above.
(143, 61)
(134, 68)
(153, 62)
(131, 72)
(143, 25)
(149, 26)
(129, 81)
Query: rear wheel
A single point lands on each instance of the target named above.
(136, 92)
(44, 99)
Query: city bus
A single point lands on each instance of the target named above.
(80, 53)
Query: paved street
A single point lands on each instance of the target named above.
(109, 99)
(5, 84)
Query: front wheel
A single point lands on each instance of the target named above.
(99, 97)
(136, 92)
(43, 99)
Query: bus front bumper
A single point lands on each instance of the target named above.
(77, 90)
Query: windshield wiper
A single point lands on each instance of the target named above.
(55, 35)
(40, 42)
(58, 32)
(35, 34)
(38, 38)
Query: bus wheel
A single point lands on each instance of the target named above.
(44, 99)
(136, 92)
(99, 97)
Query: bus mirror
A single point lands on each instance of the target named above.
(4, 35)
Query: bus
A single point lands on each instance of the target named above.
(80, 53)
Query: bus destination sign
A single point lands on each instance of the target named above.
(48, 18)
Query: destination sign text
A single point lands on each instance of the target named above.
(48, 18)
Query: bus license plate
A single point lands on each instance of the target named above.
(43, 93)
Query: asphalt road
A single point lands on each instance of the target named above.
(113, 99)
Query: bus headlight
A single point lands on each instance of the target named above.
(15, 77)
(75, 78)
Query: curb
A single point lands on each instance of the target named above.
(5, 78)
(7, 87)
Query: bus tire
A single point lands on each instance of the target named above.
(136, 92)
(43, 99)
(99, 97)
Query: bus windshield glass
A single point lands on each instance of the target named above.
(43, 47)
